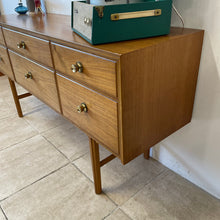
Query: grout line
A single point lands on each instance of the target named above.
(32, 109)
(125, 214)
(55, 147)
(154, 178)
(12, 116)
(93, 183)
(13, 145)
(81, 172)
(9, 116)
(72, 161)
(69, 159)
(110, 213)
(41, 132)
(62, 124)
(117, 208)
(34, 182)
(3, 213)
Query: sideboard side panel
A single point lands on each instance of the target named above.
(158, 89)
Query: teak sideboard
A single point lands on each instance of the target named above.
(126, 96)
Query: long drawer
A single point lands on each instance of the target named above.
(96, 72)
(37, 79)
(28, 46)
(100, 119)
(2, 42)
(5, 66)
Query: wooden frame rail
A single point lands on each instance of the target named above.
(17, 97)
(97, 164)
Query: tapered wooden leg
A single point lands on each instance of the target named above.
(147, 154)
(15, 96)
(94, 151)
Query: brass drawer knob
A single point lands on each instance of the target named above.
(82, 108)
(78, 67)
(28, 75)
(21, 45)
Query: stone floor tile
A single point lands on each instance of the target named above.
(65, 194)
(121, 182)
(4, 84)
(14, 130)
(5, 89)
(20, 89)
(118, 214)
(172, 197)
(69, 140)
(44, 118)
(27, 104)
(6, 110)
(24, 163)
(2, 217)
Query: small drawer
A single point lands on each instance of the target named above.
(5, 66)
(2, 42)
(100, 120)
(37, 79)
(96, 72)
(28, 46)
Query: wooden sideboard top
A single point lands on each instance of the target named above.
(57, 28)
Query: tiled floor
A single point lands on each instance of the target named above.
(45, 173)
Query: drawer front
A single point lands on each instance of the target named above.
(31, 47)
(100, 121)
(2, 42)
(97, 73)
(42, 84)
(5, 66)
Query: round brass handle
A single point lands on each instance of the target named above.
(21, 45)
(78, 67)
(82, 108)
(28, 75)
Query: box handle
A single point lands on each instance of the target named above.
(136, 14)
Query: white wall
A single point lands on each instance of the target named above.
(59, 6)
(7, 7)
(193, 151)
(53, 6)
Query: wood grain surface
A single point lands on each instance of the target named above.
(36, 49)
(94, 153)
(57, 28)
(154, 80)
(158, 87)
(2, 42)
(100, 121)
(5, 66)
(98, 73)
(15, 97)
(42, 85)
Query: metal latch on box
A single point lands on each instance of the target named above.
(100, 10)
(136, 14)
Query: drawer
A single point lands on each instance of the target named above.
(5, 66)
(34, 48)
(97, 73)
(41, 81)
(2, 42)
(100, 122)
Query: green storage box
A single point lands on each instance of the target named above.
(111, 23)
